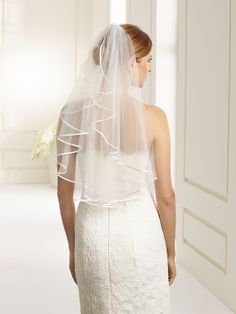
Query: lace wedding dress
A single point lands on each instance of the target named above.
(120, 255)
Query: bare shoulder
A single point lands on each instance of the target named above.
(157, 119)
(156, 112)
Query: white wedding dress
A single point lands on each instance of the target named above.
(120, 256)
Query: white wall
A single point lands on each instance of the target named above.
(43, 44)
(206, 154)
(38, 56)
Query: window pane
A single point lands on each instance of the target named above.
(118, 11)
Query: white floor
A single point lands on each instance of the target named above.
(34, 272)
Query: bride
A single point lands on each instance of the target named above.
(113, 154)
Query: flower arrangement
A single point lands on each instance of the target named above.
(44, 141)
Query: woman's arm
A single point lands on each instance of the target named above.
(65, 192)
(165, 195)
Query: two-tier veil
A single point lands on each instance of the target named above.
(102, 143)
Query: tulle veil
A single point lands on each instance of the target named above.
(101, 138)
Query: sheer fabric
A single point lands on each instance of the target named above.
(102, 143)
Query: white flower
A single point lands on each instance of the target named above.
(44, 141)
(47, 137)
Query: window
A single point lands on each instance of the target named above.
(118, 11)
